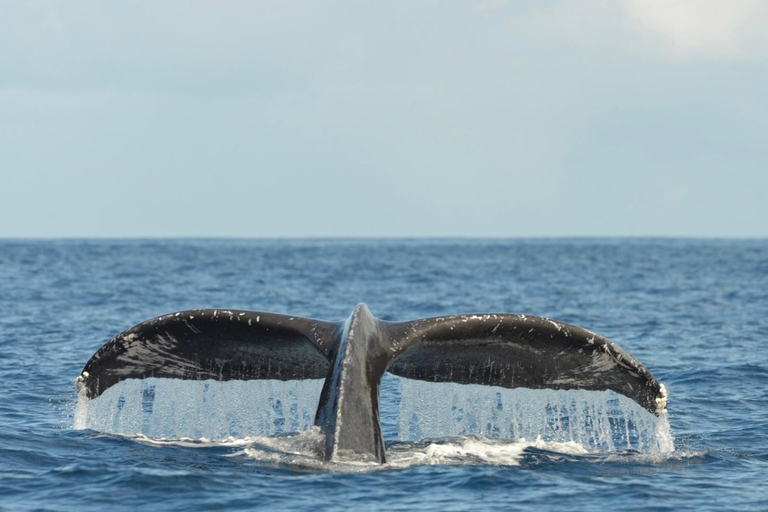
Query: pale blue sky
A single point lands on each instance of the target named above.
(414, 118)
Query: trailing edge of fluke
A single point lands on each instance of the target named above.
(496, 350)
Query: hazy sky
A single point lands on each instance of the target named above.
(415, 118)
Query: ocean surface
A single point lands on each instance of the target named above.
(694, 312)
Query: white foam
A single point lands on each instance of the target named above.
(473, 450)
(304, 450)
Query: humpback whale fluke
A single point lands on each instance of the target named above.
(510, 351)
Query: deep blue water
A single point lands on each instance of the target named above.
(695, 312)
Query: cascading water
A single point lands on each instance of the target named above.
(173, 409)
(411, 411)
(601, 421)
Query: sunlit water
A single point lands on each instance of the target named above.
(694, 312)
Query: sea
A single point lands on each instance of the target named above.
(693, 311)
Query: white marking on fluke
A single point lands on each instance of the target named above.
(661, 401)
(557, 325)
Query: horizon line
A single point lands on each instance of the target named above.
(372, 238)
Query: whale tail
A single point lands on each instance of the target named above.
(509, 351)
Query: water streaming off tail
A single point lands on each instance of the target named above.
(173, 409)
(597, 420)
(410, 410)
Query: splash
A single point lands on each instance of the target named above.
(302, 451)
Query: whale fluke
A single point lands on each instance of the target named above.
(490, 349)
(519, 351)
(216, 344)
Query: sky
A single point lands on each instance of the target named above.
(487, 118)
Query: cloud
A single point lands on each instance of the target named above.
(677, 30)
(703, 28)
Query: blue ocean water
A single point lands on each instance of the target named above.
(695, 312)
